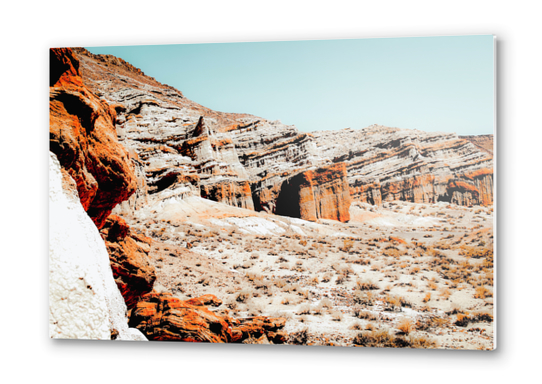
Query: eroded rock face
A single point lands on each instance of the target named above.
(316, 194)
(128, 255)
(386, 164)
(83, 136)
(223, 153)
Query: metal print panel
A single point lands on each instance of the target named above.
(335, 192)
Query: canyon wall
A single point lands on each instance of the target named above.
(90, 173)
(386, 164)
(181, 149)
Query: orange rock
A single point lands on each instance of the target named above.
(232, 192)
(84, 139)
(316, 194)
(128, 255)
(257, 327)
(160, 316)
(204, 300)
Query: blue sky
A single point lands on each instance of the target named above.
(427, 83)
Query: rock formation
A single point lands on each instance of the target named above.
(386, 164)
(316, 194)
(160, 316)
(181, 149)
(96, 175)
(83, 136)
(128, 255)
(84, 301)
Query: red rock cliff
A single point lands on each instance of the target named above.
(84, 139)
(316, 194)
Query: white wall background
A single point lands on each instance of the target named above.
(28, 30)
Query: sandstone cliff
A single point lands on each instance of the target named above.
(84, 138)
(84, 300)
(181, 149)
(386, 164)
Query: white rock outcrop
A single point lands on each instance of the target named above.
(84, 301)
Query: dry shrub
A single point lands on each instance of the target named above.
(434, 322)
(356, 326)
(362, 314)
(365, 285)
(464, 319)
(327, 277)
(380, 338)
(427, 298)
(406, 326)
(348, 244)
(300, 337)
(482, 293)
(304, 309)
(364, 298)
(445, 293)
(396, 302)
(325, 303)
(243, 296)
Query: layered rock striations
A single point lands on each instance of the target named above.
(181, 149)
(316, 194)
(386, 164)
(482, 142)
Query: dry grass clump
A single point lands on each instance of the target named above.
(362, 314)
(363, 297)
(300, 337)
(356, 327)
(325, 303)
(348, 244)
(434, 322)
(396, 302)
(382, 338)
(464, 319)
(336, 315)
(243, 296)
(304, 309)
(482, 293)
(406, 326)
(365, 285)
(327, 277)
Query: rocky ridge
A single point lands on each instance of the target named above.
(183, 149)
(387, 164)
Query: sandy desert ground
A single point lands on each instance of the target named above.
(400, 275)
